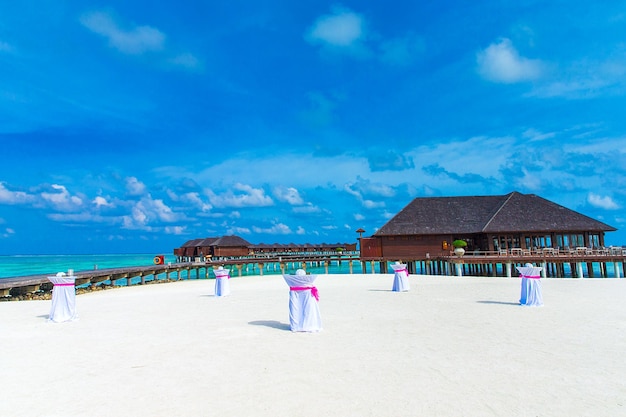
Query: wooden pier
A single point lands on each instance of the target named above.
(198, 269)
(579, 263)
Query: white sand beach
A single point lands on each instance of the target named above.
(450, 347)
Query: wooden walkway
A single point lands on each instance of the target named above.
(32, 283)
(177, 271)
(580, 263)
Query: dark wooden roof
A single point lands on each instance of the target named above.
(192, 243)
(231, 241)
(514, 212)
(209, 241)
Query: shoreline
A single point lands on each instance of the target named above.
(457, 346)
(46, 292)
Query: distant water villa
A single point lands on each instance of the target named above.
(233, 246)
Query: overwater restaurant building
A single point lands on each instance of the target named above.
(503, 224)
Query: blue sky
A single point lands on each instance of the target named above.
(136, 126)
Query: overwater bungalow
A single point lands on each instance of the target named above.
(236, 247)
(212, 247)
(514, 224)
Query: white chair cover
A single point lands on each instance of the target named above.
(222, 283)
(304, 312)
(400, 278)
(531, 286)
(63, 299)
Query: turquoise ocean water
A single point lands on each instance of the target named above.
(23, 265)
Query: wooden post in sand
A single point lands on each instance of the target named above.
(579, 269)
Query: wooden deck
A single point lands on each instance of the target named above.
(580, 261)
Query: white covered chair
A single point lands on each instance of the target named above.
(222, 283)
(304, 312)
(63, 306)
(531, 285)
(400, 277)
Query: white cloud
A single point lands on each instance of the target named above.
(61, 199)
(135, 222)
(359, 217)
(535, 135)
(533, 181)
(157, 209)
(500, 62)
(83, 217)
(249, 197)
(146, 213)
(102, 202)
(238, 231)
(276, 229)
(362, 187)
(139, 215)
(605, 202)
(342, 28)
(138, 40)
(14, 197)
(192, 199)
(175, 230)
(134, 187)
(300, 231)
(370, 204)
(244, 168)
(307, 209)
(288, 195)
(348, 188)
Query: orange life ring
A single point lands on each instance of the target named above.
(159, 260)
